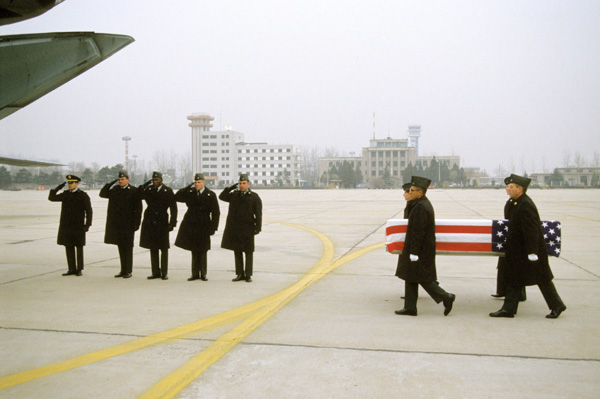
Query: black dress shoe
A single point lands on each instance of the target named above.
(448, 304)
(193, 278)
(556, 312)
(248, 279)
(127, 275)
(153, 277)
(78, 274)
(239, 277)
(69, 273)
(119, 275)
(502, 313)
(406, 312)
(203, 278)
(165, 277)
(498, 295)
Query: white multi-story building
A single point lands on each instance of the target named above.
(223, 155)
(388, 157)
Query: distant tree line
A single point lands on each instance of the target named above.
(438, 172)
(176, 166)
(344, 176)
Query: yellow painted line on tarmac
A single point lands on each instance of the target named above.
(172, 335)
(168, 336)
(254, 314)
(178, 380)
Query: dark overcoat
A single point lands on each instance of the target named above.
(200, 221)
(124, 214)
(508, 207)
(420, 241)
(156, 225)
(525, 236)
(75, 216)
(408, 208)
(244, 219)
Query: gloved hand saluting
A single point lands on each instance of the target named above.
(61, 185)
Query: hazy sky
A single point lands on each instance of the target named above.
(496, 82)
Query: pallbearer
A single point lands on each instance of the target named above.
(526, 254)
(501, 279)
(157, 225)
(201, 220)
(416, 264)
(75, 221)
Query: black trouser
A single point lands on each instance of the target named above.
(126, 255)
(199, 263)
(501, 281)
(163, 268)
(74, 265)
(411, 293)
(511, 301)
(239, 263)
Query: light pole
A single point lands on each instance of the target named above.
(126, 139)
(134, 171)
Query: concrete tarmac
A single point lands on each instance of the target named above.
(317, 321)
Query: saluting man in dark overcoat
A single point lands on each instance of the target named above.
(244, 221)
(525, 252)
(75, 221)
(122, 219)
(416, 264)
(200, 221)
(156, 225)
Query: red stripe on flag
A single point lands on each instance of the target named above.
(463, 246)
(395, 246)
(397, 229)
(462, 229)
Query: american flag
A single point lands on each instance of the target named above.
(469, 237)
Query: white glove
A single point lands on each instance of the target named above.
(414, 258)
(532, 257)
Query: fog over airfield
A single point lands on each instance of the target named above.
(506, 82)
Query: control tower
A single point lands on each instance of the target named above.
(200, 123)
(414, 132)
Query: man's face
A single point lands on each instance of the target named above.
(407, 195)
(199, 184)
(416, 192)
(73, 185)
(123, 181)
(244, 185)
(514, 191)
(157, 181)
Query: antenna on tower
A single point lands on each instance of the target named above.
(373, 125)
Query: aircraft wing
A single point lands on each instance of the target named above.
(16, 11)
(26, 162)
(35, 64)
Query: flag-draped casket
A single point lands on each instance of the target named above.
(469, 236)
